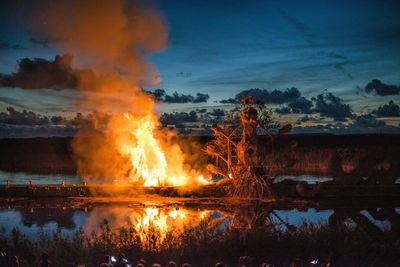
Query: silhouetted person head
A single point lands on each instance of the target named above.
(245, 261)
(172, 264)
(156, 265)
(14, 261)
(140, 265)
(186, 265)
(121, 256)
(219, 264)
(141, 261)
(121, 260)
(107, 259)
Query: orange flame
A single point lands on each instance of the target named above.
(154, 161)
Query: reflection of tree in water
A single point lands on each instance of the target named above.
(342, 218)
(251, 217)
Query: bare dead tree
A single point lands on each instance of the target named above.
(235, 148)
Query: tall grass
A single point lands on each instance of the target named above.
(207, 243)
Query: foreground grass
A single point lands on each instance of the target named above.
(206, 244)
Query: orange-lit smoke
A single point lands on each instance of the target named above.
(113, 38)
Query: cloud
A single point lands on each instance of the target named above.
(305, 118)
(178, 118)
(340, 65)
(161, 96)
(30, 118)
(158, 94)
(201, 98)
(298, 105)
(217, 112)
(301, 27)
(229, 101)
(387, 110)
(7, 45)
(22, 118)
(365, 127)
(274, 97)
(202, 110)
(331, 106)
(301, 105)
(381, 88)
(178, 98)
(283, 110)
(367, 121)
(39, 73)
(12, 101)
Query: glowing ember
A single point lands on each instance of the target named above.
(154, 161)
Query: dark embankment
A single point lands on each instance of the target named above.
(37, 155)
(338, 155)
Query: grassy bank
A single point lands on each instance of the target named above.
(207, 244)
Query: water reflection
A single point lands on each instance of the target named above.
(374, 221)
(155, 223)
(24, 178)
(152, 224)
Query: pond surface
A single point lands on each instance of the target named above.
(33, 218)
(155, 220)
(24, 178)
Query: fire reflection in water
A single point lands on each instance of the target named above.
(152, 226)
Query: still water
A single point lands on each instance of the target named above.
(165, 215)
(24, 178)
(173, 217)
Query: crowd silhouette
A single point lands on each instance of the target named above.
(122, 261)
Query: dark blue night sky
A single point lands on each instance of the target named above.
(221, 48)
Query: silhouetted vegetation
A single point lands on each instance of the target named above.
(309, 154)
(206, 244)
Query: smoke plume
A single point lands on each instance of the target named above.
(112, 39)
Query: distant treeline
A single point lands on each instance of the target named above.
(336, 155)
(37, 155)
(291, 154)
